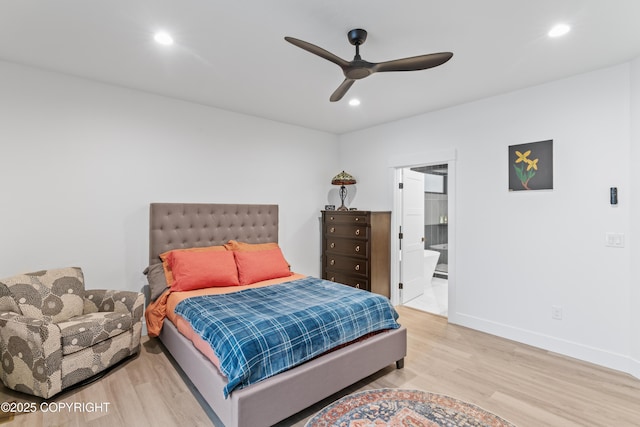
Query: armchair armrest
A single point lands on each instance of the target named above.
(31, 354)
(96, 300)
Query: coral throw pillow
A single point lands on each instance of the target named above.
(166, 258)
(255, 266)
(204, 269)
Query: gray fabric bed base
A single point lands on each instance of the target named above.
(276, 398)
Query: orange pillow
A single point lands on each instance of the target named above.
(203, 269)
(166, 258)
(234, 245)
(255, 266)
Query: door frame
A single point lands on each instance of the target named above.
(425, 158)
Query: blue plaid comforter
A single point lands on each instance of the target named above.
(257, 333)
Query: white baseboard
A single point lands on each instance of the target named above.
(619, 362)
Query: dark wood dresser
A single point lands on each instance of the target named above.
(356, 249)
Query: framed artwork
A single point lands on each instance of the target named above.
(531, 166)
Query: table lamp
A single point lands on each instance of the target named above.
(343, 179)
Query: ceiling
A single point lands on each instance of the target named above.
(233, 55)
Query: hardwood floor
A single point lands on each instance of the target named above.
(526, 385)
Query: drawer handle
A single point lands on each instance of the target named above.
(358, 232)
(357, 219)
(357, 285)
(358, 248)
(333, 245)
(332, 229)
(332, 262)
(333, 278)
(332, 218)
(357, 267)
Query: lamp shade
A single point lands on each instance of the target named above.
(343, 178)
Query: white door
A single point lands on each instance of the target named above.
(412, 243)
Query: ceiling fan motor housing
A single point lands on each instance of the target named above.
(357, 37)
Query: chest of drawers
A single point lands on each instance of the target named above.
(356, 249)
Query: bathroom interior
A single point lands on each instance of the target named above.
(435, 298)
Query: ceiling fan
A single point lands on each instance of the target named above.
(358, 68)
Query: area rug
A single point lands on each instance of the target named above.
(403, 408)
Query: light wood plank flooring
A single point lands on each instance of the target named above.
(528, 386)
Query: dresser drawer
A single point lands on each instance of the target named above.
(350, 247)
(344, 230)
(346, 265)
(356, 282)
(346, 218)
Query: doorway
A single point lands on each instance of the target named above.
(434, 294)
(444, 271)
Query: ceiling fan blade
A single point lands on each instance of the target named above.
(414, 63)
(318, 51)
(342, 89)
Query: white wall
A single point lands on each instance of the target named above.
(520, 253)
(81, 161)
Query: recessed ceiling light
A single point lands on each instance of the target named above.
(163, 38)
(559, 30)
(354, 102)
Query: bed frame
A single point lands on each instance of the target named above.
(179, 225)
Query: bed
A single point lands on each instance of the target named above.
(178, 226)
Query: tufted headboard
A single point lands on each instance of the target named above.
(187, 225)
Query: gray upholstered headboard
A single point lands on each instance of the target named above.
(187, 225)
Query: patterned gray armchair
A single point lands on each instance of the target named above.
(54, 333)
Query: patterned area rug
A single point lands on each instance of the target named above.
(403, 408)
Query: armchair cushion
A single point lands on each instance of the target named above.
(51, 295)
(84, 331)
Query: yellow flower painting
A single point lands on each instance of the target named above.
(532, 166)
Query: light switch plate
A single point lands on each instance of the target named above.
(615, 240)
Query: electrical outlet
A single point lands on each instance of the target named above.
(556, 312)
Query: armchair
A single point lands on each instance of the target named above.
(54, 333)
